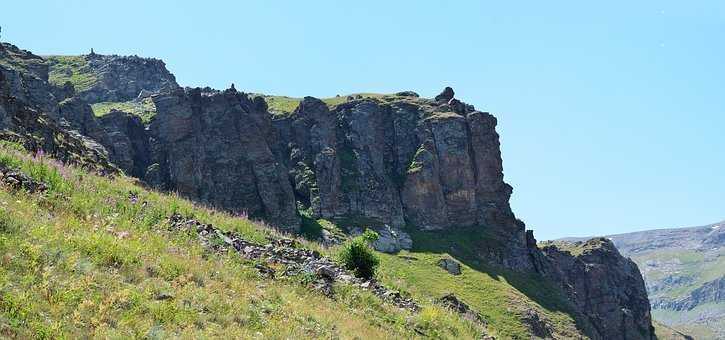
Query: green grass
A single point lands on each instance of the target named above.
(144, 108)
(83, 261)
(282, 106)
(576, 248)
(501, 296)
(72, 69)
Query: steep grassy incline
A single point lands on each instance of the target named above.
(85, 260)
(95, 257)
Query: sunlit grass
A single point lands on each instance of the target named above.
(73, 69)
(84, 261)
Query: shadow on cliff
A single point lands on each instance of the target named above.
(480, 251)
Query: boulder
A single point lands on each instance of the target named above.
(391, 240)
(450, 265)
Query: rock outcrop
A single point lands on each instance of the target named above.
(121, 78)
(605, 287)
(29, 114)
(681, 267)
(128, 142)
(214, 147)
(399, 160)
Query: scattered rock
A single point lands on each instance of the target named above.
(164, 296)
(326, 272)
(453, 303)
(450, 265)
(538, 327)
(391, 240)
(18, 180)
(265, 270)
(286, 252)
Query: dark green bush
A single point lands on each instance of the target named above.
(357, 255)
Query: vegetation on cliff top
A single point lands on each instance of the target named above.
(143, 108)
(282, 106)
(73, 69)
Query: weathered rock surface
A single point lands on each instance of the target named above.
(75, 114)
(453, 303)
(450, 265)
(680, 267)
(127, 142)
(605, 287)
(709, 292)
(18, 180)
(29, 114)
(122, 78)
(400, 160)
(214, 147)
(391, 240)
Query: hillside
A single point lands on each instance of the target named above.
(684, 270)
(166, 211)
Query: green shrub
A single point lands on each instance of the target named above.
(358, 256)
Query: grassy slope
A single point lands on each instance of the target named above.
(144, 108)
(282, 105)
(83, 260)
(71, 68)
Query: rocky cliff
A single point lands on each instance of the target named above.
(215, 147)
(398, 160)
(397, 163)
(606, 287)
(111, 78)
(30, 114)
(683, 269)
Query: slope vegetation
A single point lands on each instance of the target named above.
(93, 256)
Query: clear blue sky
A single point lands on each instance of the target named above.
(611, 115)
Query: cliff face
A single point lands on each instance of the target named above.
(606, 287)
(30, 113)
(683, 269)
(397, 160)
(709, 292)
(215, 147)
